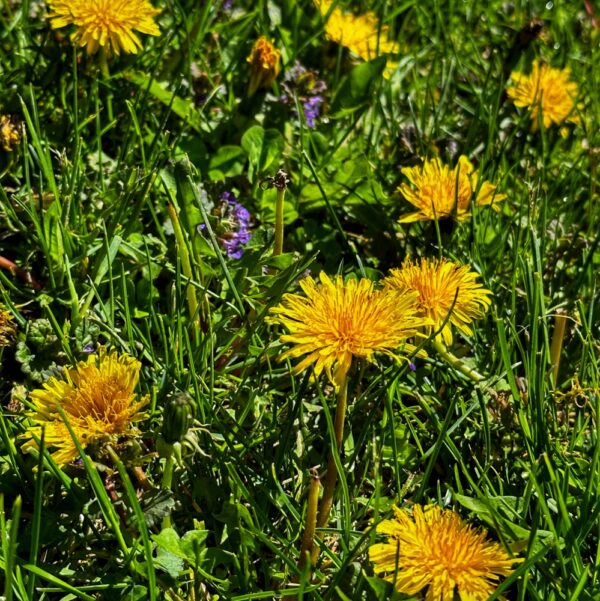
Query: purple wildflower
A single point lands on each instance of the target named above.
(312, 109)
(232, 227)
(303, 84)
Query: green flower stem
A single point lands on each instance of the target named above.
(186, 266)
(166, 484)
(308, 547)
(331, 476)
(558, 336)
(106, 75)
(167, 479)
(278, 246)
(456, 363)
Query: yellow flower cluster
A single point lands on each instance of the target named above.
(98, 400)
(434, 548)
(448, 293)
(10, 134)
(7, 327)
(361, 34)
(106, 24)
(438, 191)
(336, 320)
(546, 90)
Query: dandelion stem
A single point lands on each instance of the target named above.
(331, 476)
(106, 76)
(456, 363)
(279, 182)
(278, 246)
(167, 478)
(166, 484)
(308, 547)
(560, 322)
(186, 267)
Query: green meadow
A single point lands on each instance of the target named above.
(298, 300)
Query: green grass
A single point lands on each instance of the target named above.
(84, 209)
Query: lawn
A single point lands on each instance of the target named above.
(298, 300)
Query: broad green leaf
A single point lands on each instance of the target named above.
(228, 161)
(263, 147)
(356, 89)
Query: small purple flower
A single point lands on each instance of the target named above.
(312, 109)
(303, 84)
(412, 366)
(234, 246)
(232, 226)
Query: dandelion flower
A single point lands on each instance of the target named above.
(434, 548)
(7, 327)
(10, 135)
(106, 24)
(98, 399)
(336, 321)
(264, 64)
(547, 89)
(445, 291)
(439, 191)
(361, 34)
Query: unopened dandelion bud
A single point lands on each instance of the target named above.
(178, 416)
(264, 64)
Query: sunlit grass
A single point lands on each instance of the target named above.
(128, 188)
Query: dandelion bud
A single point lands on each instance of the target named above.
(178, 415)
(264, 64)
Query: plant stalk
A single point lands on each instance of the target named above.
(558, 335)
(278, 245)
(106, 75)
(456, 363)
(308, 548)
(331, 476)
(166, 483)
(186, 267)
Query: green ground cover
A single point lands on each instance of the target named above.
(143, 271)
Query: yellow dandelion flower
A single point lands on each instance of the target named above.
(10, 134)
(106, 24)
(97, 397)
(443, 288)
(264, 64)
(7, 327)
(361, 34)
(439, 191)
(547, 89)
(434, 548)
(336, 321)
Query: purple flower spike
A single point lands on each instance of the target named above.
(237, 218)
(304, 84)
(312, 109)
